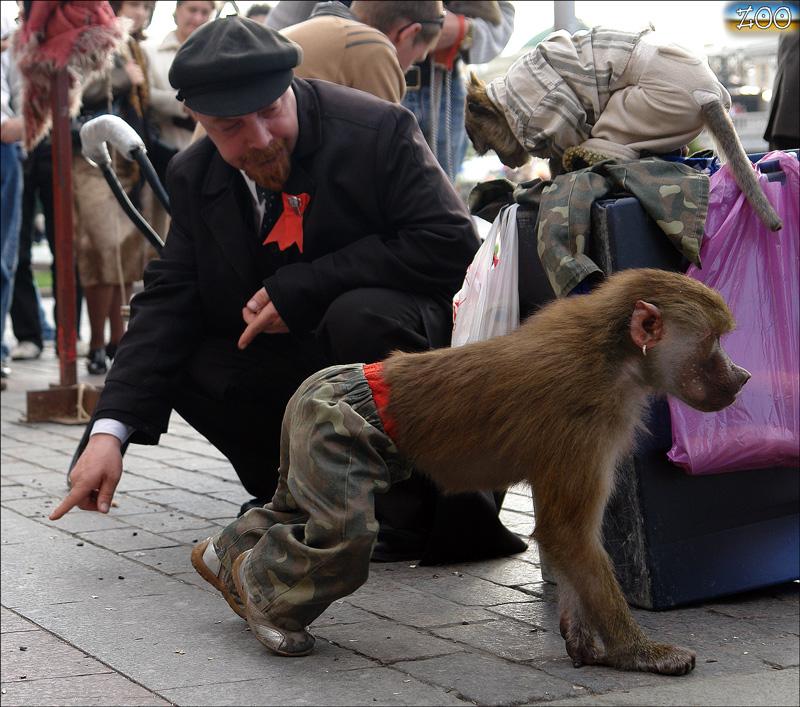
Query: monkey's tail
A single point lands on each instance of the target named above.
(721, 127)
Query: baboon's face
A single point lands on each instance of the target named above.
(488, 128)
(705, 378)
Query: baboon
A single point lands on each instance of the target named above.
(488, 126)
(555, 403)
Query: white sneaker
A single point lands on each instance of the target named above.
(26, 351)
(208, 566)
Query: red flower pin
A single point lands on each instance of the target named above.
(288, 229)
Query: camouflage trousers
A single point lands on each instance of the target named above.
(312, 543)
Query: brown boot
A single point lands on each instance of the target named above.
(278, 640)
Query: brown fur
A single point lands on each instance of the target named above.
(488, 129)
(721, 127)
(556, 403)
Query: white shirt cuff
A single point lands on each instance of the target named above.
(112, 427)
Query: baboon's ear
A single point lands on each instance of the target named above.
(479, 108)
(474, 81)
(647, 325)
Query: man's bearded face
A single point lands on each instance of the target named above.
(269, 166)
(258, 143)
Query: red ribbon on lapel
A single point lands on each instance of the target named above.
(288, 229)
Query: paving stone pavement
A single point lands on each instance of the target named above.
(106, 609)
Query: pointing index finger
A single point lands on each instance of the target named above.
(72, 499)
(249, 334)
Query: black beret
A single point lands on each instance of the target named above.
(233, 66)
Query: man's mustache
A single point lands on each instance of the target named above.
(262, 156)
(269, 166)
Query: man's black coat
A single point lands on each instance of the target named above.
(381, 214)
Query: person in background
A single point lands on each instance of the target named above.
(28, 319)
(173, 124)
(111, 253)
(783, 127)
(369, 46)
(11, 127)
(289, 12)
(258, 12)
(437, 86)
(473, 33)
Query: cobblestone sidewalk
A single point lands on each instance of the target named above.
(106, 610)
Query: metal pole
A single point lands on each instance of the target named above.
(564, 15)
(62, 213)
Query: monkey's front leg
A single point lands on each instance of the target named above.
(591, 601)
(604, 607)
(582, 641)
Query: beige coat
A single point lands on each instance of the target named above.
(163, 103)
(349, 53)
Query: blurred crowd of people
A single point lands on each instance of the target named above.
(109, 253)
(390, 58)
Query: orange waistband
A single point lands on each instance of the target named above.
(373, 372)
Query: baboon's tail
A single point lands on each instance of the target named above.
(721, 127)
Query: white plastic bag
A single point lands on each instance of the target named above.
(487, 304)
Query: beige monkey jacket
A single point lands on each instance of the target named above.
(616, 93)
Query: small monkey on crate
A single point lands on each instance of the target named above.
(555, 403)
(605, 94)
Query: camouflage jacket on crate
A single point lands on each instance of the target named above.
(674, 195)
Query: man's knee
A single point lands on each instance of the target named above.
(367, 324)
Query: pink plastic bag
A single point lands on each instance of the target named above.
(756, 271)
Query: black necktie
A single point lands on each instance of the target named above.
(271, 212)
(269, 257)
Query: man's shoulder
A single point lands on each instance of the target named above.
(320, 22)
(350, 32)
(342, 103)
(192, 163)
(359, 34)
(323, 36)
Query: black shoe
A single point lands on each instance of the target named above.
(96, 361)
(111, 351)
(458, 542)
(397, 545)
(253, 503)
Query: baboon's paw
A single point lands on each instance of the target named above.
(670, 660)
(580, 642)
(563, 624)
(659, 658)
